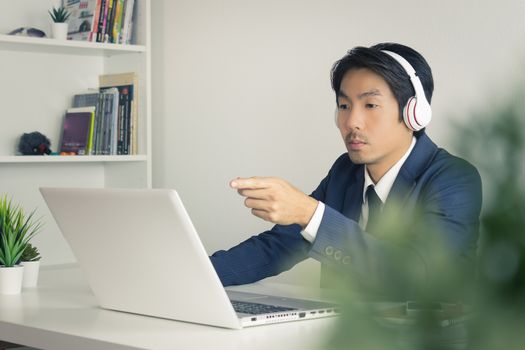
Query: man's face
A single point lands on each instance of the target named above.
(368, 118)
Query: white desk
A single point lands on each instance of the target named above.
(62, 313)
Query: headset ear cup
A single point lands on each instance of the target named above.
(417, 115)
(409, 113)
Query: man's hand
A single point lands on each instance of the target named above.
(275, 200)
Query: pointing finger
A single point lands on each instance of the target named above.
(249, 183)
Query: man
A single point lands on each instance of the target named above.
(382, 109)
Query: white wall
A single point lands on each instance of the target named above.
(241, 88)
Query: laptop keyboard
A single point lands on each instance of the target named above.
(257, 309)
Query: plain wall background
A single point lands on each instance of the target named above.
(241, 88)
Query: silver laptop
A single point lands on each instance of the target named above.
(141, 254)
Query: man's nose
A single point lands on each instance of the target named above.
(351, 119)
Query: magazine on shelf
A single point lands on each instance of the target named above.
(83, 18)
(77, 131)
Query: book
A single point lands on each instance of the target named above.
(77, 131)
(127, 85)
(110, 117)
(94, 30)
(82, 18)
(102, 20)
(127, 15)
(109, 9)
(117, 21)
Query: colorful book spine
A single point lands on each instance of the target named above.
(107, 22)
(94, 29)
(101, 20)
(125, 33)
(117, 24)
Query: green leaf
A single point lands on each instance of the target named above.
(16, 230)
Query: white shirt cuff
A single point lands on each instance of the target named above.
(310, 231)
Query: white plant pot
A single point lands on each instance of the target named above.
(11, 279)
(59, 30)
(31, 269)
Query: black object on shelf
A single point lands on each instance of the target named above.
(34, 144)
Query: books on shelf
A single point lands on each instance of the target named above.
(106, 21)
(115, 114)
(77, 131)
(103, 122)
(127, 115)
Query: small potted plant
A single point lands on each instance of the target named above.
(16, 230)
(59, 25)
(31, 263)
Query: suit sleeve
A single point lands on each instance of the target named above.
(264, 255)
(447, 206)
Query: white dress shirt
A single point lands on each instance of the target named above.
(382, 188)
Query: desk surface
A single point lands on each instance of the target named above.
(62, 313)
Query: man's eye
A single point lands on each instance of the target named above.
(343, 106)
(371, 105)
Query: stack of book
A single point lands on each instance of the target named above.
(105, 21)
(111, 126)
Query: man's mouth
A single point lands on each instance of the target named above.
(355, 144)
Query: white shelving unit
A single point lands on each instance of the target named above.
(21, 43)
(38, 159)
(38, 78)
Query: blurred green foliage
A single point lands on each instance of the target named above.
(30, 253)
(494, 141)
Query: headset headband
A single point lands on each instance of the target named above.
(417, 112)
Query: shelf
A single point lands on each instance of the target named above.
(71, 159)
(72, 47)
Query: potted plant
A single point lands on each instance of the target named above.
(16, 229)
(31, 263)
(59, 25)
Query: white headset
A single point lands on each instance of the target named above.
(417, 112)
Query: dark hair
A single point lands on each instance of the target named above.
(387, 67)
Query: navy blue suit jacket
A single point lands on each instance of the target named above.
(445, 191)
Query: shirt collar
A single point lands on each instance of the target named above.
(384, 185)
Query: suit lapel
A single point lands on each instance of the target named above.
(418, 160)
(401, 189)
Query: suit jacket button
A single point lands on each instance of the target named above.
(338, 255)
(329, 250)
(346, 260)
